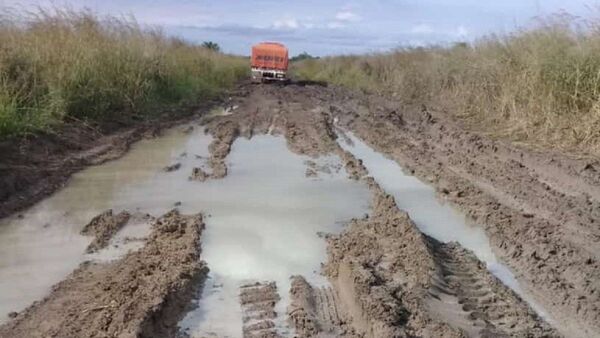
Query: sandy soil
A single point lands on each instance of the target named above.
(144, 294)
(540, 210)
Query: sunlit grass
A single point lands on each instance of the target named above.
(62, 64)
(539, 86)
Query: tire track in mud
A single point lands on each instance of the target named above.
(540, 209)
(258, 308)
(468, 297)
(314, 312)
(387, 278)
(385, 273)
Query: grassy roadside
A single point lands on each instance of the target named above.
(539, 86)
(60, 65)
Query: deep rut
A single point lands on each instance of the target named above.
(387, 278)
(385, 273)
(474, 301)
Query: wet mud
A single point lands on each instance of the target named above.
(383, 290)
(539, 209)
(144, 294)
(386, 278)
(35, 166)
(103, 227)
(258, 307)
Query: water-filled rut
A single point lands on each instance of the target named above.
(265, 217)
(432, 217)
(255, 221)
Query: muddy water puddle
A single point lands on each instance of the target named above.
(263, 225)
(431, 216)
(41, 246)
(262, 221)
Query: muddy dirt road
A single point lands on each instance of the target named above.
(291, 226)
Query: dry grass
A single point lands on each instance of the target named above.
(61, 64)
(539, 86)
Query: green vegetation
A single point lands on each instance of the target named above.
(303, 56)
(211, 46)
(539, 86)
(63, 65)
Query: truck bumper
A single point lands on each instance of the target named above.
(262, 75)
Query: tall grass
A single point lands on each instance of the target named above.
(61, 64)
(539, 86)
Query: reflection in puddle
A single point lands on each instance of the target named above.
(433, 218)
(262, 221)
(265, 216)
(40, 248)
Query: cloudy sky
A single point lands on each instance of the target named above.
(322, 27)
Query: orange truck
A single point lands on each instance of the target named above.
(269, 62)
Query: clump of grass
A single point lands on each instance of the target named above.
(539, 86)
(61, 64)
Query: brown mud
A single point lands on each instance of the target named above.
(144, 294)
(390, 279)
(541, 211)
(35, 166)
(314, 312)
(397, 282)
(103, 227)
(258, 306)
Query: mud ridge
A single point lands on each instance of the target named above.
(385, 273)
(258, 307)
(144, 294)
(103, 227)
(540, 209)
(461, 292)
(314, 312)
(381, 267)
(397, 282)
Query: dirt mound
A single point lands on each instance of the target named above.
(103, 227)
(144, 294)
(224, 134)
(278, 111)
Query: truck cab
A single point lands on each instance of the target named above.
(269, 62)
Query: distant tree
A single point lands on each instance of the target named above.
(461, 45)
(212, 46)
(303, 56)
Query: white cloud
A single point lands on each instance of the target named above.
(286, 23)
(422, 29)
(347, 16)
(462, 31)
